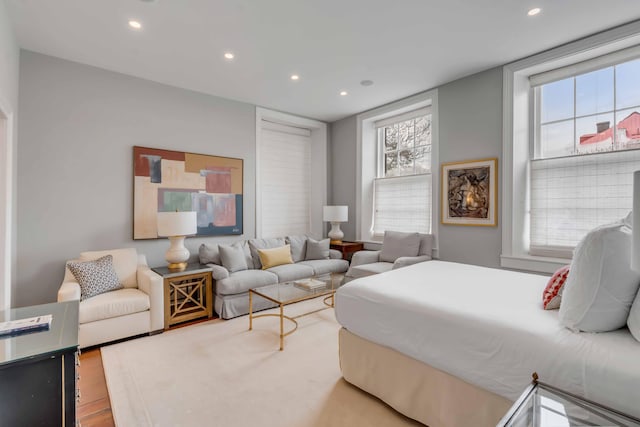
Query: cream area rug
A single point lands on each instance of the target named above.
(221, 374)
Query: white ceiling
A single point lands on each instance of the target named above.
(404, 46)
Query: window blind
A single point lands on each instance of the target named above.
(402, 204)
(285, 180)
(402, 117)
(572, 195)
(587, 66)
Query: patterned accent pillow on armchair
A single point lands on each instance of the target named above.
(95, 277)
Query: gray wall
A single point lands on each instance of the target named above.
(470, 127)
(343, 170)
(9, 66)
(470, 119)
(77, 127)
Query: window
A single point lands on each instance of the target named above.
(580, 175)
(285, 177)
(569, 145)
(402, 189)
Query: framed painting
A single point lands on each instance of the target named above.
(470, 192)
(167, 181)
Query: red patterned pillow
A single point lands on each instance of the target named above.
(552, 294)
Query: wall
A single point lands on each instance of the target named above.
(470, 112)
(470, 127)
(343, 170)
(77, 127)
(9, 65)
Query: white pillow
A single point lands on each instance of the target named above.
(601, 285)
(633, 322)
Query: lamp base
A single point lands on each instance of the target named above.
(177, 255)
(177, 266)
(335, 234)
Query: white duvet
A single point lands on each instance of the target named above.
(487, 327)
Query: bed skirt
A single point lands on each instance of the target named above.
(415, 389)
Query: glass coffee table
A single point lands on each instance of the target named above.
(295, 291)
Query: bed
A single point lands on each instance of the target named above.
(452, 344)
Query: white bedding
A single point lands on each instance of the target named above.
(487, 327)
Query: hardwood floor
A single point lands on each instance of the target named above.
(94, 408)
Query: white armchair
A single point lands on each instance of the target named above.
(398, 250)
(137, 308)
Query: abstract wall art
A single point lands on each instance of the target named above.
(470, 192)
(166, 181)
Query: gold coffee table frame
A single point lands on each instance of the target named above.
(298, 295)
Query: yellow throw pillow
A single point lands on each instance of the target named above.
(276, 256)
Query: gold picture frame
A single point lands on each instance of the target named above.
(470, 193)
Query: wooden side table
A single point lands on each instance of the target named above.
(188, 294)
(347, 249)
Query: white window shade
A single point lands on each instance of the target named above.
(285, 180)
(572, 195)
(402, 204)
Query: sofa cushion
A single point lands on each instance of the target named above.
(397, 244)
(113, 304)
(317, 249)
(369, 269)
(95, 277)
(255, 244)
(275, 256)
(209, 254)
(426, 244)
(289, 272)
(298, 247)
(125, 262)
(241, 281)
(233, 258)
(324, 266)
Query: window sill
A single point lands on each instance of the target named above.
(535, 264)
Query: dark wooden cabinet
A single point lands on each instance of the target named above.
(347, 249)
(38, 369)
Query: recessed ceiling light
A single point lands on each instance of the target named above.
(229, 55)
(135, 25)
(295, 77)
(366, 83)
(344, 93)
(534, 11)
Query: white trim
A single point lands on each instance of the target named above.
(318, 165)
(6, 204)
(517, 134)
(403, 117)
(366, 155)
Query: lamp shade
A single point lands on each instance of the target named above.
(177, 223)
(335, 213)
(635, 230)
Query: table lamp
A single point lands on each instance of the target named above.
(176, 226)
(335, 215)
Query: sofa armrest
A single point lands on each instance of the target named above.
(152, 284)
(334, 254)
(218, 272)
(69, 291)
(404, 261)
(365, 257)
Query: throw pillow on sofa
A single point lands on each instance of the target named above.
(233, 258)
(317, 249)
(209, 254)
(275, 256)
(95, 277)
(601, 286)
(633, 322)
(298, 247)
(257, 244)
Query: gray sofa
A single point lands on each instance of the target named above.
(231, 288)
(398, 250)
